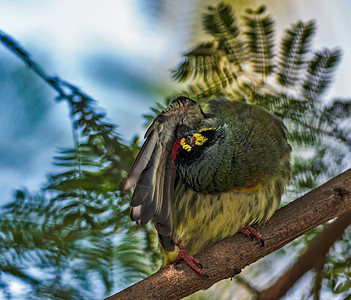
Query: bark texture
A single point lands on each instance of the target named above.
(230, 256)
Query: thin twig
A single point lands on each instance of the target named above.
(78, 102)
(14, 46)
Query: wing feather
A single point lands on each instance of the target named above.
(152, 174)
(141, 160)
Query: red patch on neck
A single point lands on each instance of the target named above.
(249, 186)
(175, 151)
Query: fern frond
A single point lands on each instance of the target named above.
(203, 59)
(292, 56)
(320, 73)
(339, 108)
(334, 119)
(155, 111)
(303, 137)
(268, 101)
(69, 157)
(292, 108)
(260, 33)
(133, 259)
(202, 91)
(215, 64)
(312, 164)
(221, 23)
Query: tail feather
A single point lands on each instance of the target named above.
(165, 216)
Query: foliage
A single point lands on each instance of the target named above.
(69, 244)
(291, 83)
(77, 230)
(337, 271)
(289, 80)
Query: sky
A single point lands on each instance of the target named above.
(112, 50)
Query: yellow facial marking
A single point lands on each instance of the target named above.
(204, 129)
(200, 139)
(184, 145)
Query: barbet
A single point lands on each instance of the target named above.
(205, 173)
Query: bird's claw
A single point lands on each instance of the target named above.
(262, 242)
(252, 233)
(191, 261)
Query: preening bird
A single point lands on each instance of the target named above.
(205, 173)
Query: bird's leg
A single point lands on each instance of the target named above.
(251, 233)
(191, 261)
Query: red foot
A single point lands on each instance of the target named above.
(191, 261)
(251, 233)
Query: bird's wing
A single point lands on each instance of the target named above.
(152, 173)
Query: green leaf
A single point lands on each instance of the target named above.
(202, 59)
(294, 48)
(320, 72)
(339, 108)
(343, 285)
(221, 23)
(260, 34)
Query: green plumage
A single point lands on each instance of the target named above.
(202, 174)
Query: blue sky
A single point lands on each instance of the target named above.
(79, 41)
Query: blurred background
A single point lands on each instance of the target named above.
(120, 53)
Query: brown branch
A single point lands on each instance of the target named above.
(228, 257)
(318, 270)
(314, 257)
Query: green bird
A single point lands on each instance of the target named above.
(205, 173)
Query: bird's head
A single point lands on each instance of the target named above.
(190, 144)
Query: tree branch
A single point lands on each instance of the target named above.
(228, 257)
(314, 257)
(11, 44)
